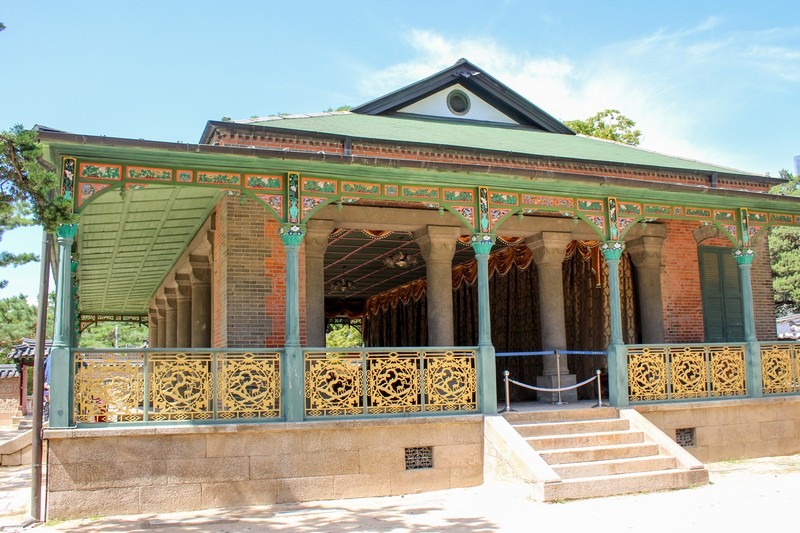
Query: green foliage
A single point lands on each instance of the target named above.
(784, 250)
(608, 124)
(2, 26)
(17, 320)
(26, 191)
(114, 335)
(226, 119)
(343, 336)
(340, 108)
(26, 184)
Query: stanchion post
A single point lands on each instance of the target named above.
(507, 408)
(558, 377)
(599, 392)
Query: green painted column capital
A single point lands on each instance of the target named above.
(612, 250)
(67, 231)
(292, 234)
(744, 256)
(482, 243)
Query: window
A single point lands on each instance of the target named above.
(458, 102)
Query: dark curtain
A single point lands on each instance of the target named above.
(587, 313)
(404, 324)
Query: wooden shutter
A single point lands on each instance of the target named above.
(721, 294)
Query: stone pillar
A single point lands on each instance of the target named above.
(744, 259)
(171, 296)
(438, 244)
(487, 380)
(292, 389)
(316, 242)
(161, 306)
(152, 327)
(200, 272)
(549, 249)
(60, 359)
(617, 354)
(183, 315)
(645, 253)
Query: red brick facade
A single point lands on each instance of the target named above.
(250, 278)
(680, 284)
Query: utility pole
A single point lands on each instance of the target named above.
(38, 379)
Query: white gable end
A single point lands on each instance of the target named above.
(449, 104)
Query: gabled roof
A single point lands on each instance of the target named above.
(477, 81)
(490, 138)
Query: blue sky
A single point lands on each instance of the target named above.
(715, 81)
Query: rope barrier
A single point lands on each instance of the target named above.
(559, 389)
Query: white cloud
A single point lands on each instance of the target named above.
(680, 86)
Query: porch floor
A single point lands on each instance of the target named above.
(547, 406)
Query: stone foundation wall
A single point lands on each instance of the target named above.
(106, 471)
(733, 429)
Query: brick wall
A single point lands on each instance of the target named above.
(9, 395)
(250, 277)
(763, 295)
(680, 285)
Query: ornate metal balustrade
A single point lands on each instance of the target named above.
(779, 367)
(389, 381)
(657, 373)
(157, 385)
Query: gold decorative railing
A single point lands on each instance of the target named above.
(153, 385)
(676, 372)
(779, 372)
(389, 381)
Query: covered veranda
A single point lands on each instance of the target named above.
(149, 242)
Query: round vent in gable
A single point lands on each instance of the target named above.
(458, 102)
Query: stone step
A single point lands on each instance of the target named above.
(615, 466)
(25, 423)
(594, 487)
(599, 453)
(571, 428)
(585, 440)
(532, 417)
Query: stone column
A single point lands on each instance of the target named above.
(183, 315)
(60, 359)
(161, 306)
(487, 379)
(171, 296)
(152, 326)
(549, 249)
(316, 242)
(200, 272)
(617, 354)
(438, 244)
(645, 253)
(744, 259)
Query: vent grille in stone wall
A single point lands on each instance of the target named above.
(417, 458)
(685, 437)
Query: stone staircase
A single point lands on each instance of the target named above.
(589, 453)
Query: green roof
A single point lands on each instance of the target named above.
(481, 136)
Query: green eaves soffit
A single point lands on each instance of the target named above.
(128, 244)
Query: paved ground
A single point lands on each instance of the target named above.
(752, 495)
